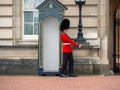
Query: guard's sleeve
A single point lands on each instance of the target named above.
(69, 40)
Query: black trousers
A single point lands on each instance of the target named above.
(67, 60)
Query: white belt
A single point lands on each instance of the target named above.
(66, 44)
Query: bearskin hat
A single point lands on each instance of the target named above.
(65, 24)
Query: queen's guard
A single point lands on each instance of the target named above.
(67, 50)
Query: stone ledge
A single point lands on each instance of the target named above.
(87, 47)
(20, 46)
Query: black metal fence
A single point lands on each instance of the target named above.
(116, 54)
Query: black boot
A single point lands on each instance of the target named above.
(72, 75)
(63, 75)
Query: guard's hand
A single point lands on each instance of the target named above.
(80, 46)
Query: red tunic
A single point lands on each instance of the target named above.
(66, 43)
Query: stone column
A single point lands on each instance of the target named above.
(104, 4)
(17, 33)
(111, 30)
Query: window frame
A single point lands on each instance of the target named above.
(23, 35)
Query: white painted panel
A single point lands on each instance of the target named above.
(90, 33)
(51, 44)
(90, 10)
(5, 42)
(90, 21)
(6, 10)
(73, 1)
(6, 1)
(91, 1)
(86, 10)
(67, 1)
(86, 21)
(6, 33)
(6, 22)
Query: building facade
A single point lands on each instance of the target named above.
(19, 26)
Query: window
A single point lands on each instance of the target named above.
(30, 18)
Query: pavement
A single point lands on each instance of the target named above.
(58, 83)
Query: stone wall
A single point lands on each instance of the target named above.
(6, 22)
(18, 67)
(30, 67)
(18, 60)
(84, 66)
